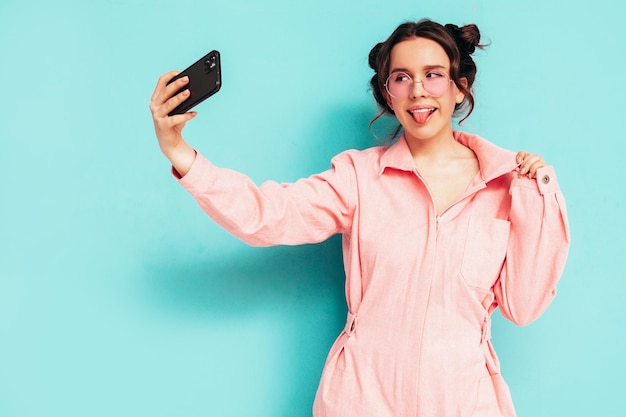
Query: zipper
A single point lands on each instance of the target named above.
(438, 217)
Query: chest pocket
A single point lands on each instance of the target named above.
(485, 250)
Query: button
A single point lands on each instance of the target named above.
(545, 179)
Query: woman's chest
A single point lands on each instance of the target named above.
(401, 234)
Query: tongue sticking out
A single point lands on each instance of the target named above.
(421, 116)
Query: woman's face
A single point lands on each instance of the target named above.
(424, 115)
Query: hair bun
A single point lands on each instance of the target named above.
(467, 37)
(373, 57)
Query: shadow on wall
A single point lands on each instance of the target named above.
(304, 284)
(251, 278)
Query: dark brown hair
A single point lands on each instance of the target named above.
(459, 43)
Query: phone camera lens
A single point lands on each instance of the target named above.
(209, 65)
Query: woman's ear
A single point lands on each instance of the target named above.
(459, 94)
(388, 99)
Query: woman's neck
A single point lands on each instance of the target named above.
(438, 147)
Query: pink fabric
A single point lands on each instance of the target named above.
(420, 289)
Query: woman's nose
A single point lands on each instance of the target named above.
(418, 91)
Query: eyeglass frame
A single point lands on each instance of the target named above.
(419, 81)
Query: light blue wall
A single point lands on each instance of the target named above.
(118, 297)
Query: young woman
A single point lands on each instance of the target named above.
(439, 229)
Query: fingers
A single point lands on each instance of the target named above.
(162, 82)
(162, 101)
(181, 119)
(529, 164)
(172, 103)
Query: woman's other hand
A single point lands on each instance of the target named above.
(529, 164)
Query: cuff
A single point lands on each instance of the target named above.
(199, 173)
(545, 181)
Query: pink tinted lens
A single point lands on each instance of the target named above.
(436, 86)
(399, 84)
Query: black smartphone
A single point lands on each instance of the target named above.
(205, 79)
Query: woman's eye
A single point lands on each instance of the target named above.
(401, 78)
(434, 74)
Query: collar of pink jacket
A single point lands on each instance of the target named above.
(493, 160)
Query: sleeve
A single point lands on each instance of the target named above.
(537, 248)
(307, 211)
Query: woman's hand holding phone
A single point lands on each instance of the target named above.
(169, 128)
(176, 93)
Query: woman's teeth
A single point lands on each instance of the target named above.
(426, 110)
